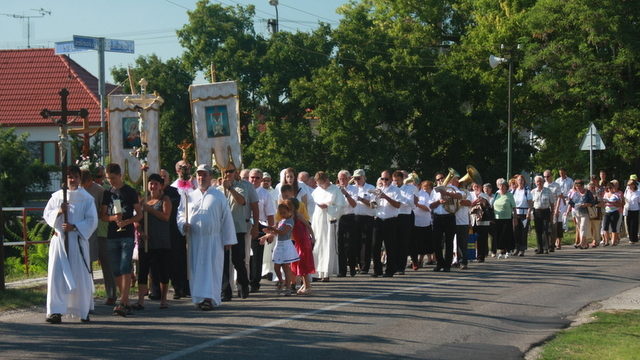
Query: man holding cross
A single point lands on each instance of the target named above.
(69, 284)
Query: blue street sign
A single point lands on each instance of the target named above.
(66, 47)
(85, 42)
(122, 46)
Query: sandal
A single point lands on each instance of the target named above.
(120, 310)
(137, 307)
(206, 305)
(164, 306)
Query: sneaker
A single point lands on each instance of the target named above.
(506, 255)
(500, 256)
(463, 267)
(54, 319)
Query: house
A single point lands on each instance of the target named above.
(30, 80)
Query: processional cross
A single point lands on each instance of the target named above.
(142, 103)
(87, 133)
(62, 122)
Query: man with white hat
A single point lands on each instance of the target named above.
(363, 221)
(210, 229)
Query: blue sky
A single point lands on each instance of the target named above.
(150, 23)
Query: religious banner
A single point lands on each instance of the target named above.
(216, 123)
(124, 136)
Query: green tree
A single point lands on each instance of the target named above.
(18, 170)
(581, 66)
(171, 80)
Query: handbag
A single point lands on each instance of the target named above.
(593, 213)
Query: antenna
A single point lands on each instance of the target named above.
(41, 13)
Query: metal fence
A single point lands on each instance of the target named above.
(24, 212)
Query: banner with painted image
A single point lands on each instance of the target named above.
(124, 135)
(216, 124)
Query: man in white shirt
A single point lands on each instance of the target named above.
(267, 211)
(405, 219)
(348, 245)
(543, 202)
(557, 230)
(462, 223)
(384, 228)
(363, 220)
(444, 224)
(308, 184)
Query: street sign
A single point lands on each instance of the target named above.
(122, 46)
(85, 42)
(592, 140)
(111, 45)
(66, 47)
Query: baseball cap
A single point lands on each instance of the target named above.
(358, 172)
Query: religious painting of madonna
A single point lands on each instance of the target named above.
(130, 133)
(217, 121)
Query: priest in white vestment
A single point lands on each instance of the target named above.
(69, 283)
(330, 204)
(209, 228)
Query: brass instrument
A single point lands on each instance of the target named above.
(472, 176)
(451, 205)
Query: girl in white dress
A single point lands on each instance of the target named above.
(284, 253)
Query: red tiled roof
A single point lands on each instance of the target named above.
(30, 80)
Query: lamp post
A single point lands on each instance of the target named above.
(274, 24)
(494, 61)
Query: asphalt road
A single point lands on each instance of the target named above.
(494, 310)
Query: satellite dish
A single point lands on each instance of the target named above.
(495, 61)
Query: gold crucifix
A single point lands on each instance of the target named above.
(87, 133)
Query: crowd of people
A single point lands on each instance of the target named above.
(204, 235)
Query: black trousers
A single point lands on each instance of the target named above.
(255, 263)
(384, 231)
(521, 232)
(363, 233)
(542, 219)
(404, 231)
(632, 225)
(444, 229)
(347, 244)
(482, 243)
(177, 267)
(462, 241)
(237, 258)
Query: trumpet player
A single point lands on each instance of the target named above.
(405, 219)
(384, 228)
(363, 221)
(444, 222)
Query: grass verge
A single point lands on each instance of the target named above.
(12, 299)
(613, 335)
(20, 298)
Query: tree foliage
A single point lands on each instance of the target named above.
(18, 170)
(171, 80)
(407, 84)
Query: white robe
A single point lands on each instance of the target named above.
(325, 227)
(211, 229)
(69, 284)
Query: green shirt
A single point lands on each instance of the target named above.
(503, 205)
(238, 212)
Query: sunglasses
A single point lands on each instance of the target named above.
(230, 171)
(384, 179)
(438, 179)
(356, 178)
(255, 177)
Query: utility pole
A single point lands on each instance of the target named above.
(42, 12)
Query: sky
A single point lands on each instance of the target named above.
(150, 23)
